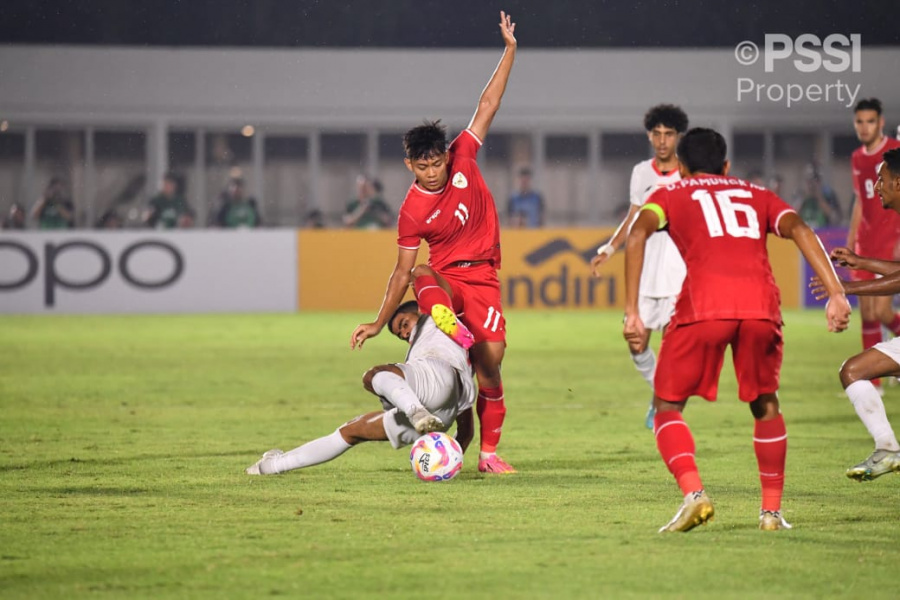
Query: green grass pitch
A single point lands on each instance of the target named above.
(123, 442)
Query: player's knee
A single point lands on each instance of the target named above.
(851, 371)
(420, 270)
(367, 379)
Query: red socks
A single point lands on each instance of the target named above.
(676, 446)
(770, 445)
(491, 412)
(429, 293)
(894, 325)
(871, 335)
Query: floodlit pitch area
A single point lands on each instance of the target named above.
(123, 442)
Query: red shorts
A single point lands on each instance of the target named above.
(476, 299)
(691, 357)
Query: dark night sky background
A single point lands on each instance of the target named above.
(433, 24)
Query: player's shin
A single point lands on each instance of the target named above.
(311, 453)
(676, 447)
(491, 414)
(870, 408)
(429, 293)
(770, 445)
(645, 363)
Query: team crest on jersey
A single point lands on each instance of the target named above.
(460, 181)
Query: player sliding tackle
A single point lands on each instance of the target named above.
(882, 359)
(450, 206)
(427, 392)
(719, 225)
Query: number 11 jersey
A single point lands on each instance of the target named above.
(459, 222)
(720, 225)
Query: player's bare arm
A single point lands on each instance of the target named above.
(883, 286)
(605, 252)
(396, 289)
(489, 102)
(837, 310)
(644, 226)
(844, 257)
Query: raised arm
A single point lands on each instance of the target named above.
(396, 289)
(490, 98)
(837, 310)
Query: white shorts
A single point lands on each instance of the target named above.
(891, 349)
(438, 386)
(656, 312)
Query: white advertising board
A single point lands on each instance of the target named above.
(148, 271)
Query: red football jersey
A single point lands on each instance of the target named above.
(879, 228)
(459, 222)
(719, 224)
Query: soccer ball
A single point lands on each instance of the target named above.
(436, 457)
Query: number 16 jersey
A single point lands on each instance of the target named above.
(720, 224)
(459, 221)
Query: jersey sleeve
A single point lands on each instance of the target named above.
(466, 144)
(635, 193)
(407, 232)
(658, 203)
(776, 208)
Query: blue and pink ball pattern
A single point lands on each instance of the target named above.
(436, 457)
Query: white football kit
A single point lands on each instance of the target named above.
(438, 372)
(664, 269)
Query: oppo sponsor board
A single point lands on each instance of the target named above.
(148, 272)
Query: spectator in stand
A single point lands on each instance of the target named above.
(236, 209)
(526, 206)
(314, 219)
(54, 209)
(110, 219)
(819, 206)
(15, 219)
(368, 210)
(168, 209)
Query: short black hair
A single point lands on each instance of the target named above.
(410, 306)
(425, 141)
(868, 104)
(892, 160)
(667, 115)
(703, 150)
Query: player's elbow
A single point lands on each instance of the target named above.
(488, 105)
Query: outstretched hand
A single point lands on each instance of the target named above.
(507, 29)
(845, 257)
(362, 333)
(817, 288)
(634, 333)
(596, 262)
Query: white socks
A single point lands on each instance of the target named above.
(395, 390)
(870, 408)
(309, 454)
(645, 362)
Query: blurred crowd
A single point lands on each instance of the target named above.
(233, 207)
